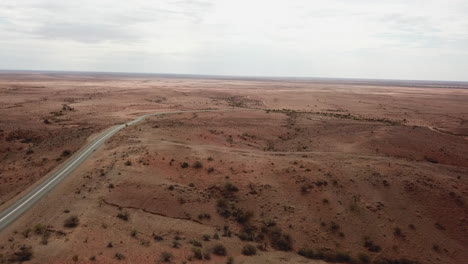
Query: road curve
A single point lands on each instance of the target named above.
(24, 203)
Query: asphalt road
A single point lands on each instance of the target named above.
(24, 203)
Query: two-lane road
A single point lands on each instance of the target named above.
(24, 203)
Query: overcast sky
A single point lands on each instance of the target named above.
(395, 39)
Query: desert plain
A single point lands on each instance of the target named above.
(256, 170)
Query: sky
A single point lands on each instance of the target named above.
(378, 39)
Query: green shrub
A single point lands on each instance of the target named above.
(230, 188)
(71, 222)
(123, 215)
(197, 165)
(220, 250)
(23, 254)
(249, 250)
(197, 253)
(166, 256)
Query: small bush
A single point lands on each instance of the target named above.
(206, 237)
(197, 165)
(119, 256)
(176, 244)
(23, 254)
(196, 243)
(210, 169)
(363, 258)
(166, 256)
(230, 260)
(197, 253)
(66, 153)
(306, 252)
(398, 232)
(249, 250)
(72, 221)
(184, 165)
(220, 250)
(158, 237)
(128, 163)
(123, 215)
(369, 244)
(230, 188)
(204, 216)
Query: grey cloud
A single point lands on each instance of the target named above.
(83, 32)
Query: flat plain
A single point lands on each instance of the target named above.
(281, 171)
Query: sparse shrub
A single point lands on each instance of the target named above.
(191, 184)
(158, 237)
(216, 236)
(210, 169)
(110, 245)
(176, 244)
(334, 226)
(430, 159)
(171, 187)
(242, 216)
(123, 215)
(111, 186)
(397, 232)
(26, 232)
(75, 258)
(363, 258)
(249, 250)
(280, 240)
(184, 165)
(40, 229)
(45, 237)
(133, 233)
(204, 216)
(206, 237)
(196, 243)
(306, 252)
(119, 256)
(128, 163)
(219, 249)
(166, 256)
(230, 260)
(66, 153)
(197, 253)
(197, 165)
(206, 254)
(369, 244)
(23, 254)
(230, 188)
(72, 221)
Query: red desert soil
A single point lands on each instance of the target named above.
(303, 171)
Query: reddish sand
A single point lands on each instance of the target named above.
(329, 165)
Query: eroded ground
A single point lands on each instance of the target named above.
(336, 172)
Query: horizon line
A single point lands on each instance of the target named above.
(252, 77)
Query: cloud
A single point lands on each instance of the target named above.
(278, 37)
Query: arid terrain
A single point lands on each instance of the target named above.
(281, 171)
